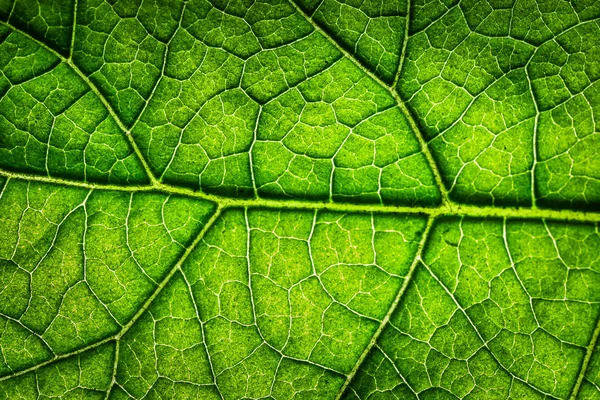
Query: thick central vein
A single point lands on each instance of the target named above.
(447, 209)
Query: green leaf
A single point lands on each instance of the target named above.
(311, 199)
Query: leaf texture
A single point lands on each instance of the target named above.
(299, 200)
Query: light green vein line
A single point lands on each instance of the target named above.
(404, 45)
(388, 315)
(420, 137)
(586, 361)
(202, 331)
(96, 91)
(172, 272)
(449, 209)
(176, 267)
(113, 379)
(536, 125)
(58, 358)
(73, 28)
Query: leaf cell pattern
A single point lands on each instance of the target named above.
(494, 86)
(278, 199)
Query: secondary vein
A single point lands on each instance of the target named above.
(116, 337)
(390, 89)
(96, 91)
(391, 310)
(586, 361)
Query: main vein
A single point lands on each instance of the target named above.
(447, 209)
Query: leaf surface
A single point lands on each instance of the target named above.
(312, 200)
